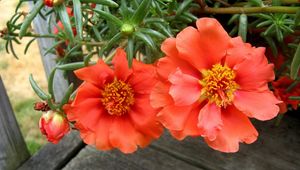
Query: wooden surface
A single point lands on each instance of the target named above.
(13, 150)
(278, 148)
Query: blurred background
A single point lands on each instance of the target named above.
(15, 75)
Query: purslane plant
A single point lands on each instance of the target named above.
(128, 37)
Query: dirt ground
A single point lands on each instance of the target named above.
(15, 75)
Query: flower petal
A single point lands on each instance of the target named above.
(205, 46)
(122, 71)
(254, 73)
(185, 89)
(103, 131)
(143, 79)
(160, 95)
(236, 128)
(97, 74)
(260, 105)
(209, 121)
(124, 136)
(190, 128)
(174, 117)
(87, 91)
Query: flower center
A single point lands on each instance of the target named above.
(117, 97)
(219, 85)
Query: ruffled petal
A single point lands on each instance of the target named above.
(260, 105)
(238, 52)
(124, 136)
(160, 95)
(122, 71)
(185, 89)
(205, 46)
(143, 79)
(144, 119)
(87, 91)
(174, 117)
(254, 73)
(103, 131)
(87, 113)
(190, 128)
(236, 128)
(97, 74)
(209, 121)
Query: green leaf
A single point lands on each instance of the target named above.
(64, 17)
(243, 27)
(183, 6)
(297, 18)
(141, 12)
(109, 3)
(72, 66)
(258, 3)
(78, 17)
(37, 89)
(51, 84)
(146, 39)
(111, 42)
(130, 51)
(109, 17)
(233, 19)
(272, 45)
(264, 23)
(295, 64)
(87, 58)
(36, 9)
(152, 32)
(276, 2)
(67, 96)
(28, 45)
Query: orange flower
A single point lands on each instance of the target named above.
(54, 126)
(210, 84)
(112, 107)
(280, 86)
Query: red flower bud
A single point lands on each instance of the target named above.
(51, 3)
(54, 126)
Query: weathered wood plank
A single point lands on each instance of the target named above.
(53, 156)
(146, 159)
(276, 148)
(13, 150)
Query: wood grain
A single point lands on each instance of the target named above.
(13, 150)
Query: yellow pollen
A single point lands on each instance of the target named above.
(117, 97)
(219, 85)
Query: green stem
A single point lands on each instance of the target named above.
(31, 35)
(268, 2)
(250, 10)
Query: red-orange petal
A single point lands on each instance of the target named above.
(160, 95)
(204, 46)
(124, 136)
(254, 73)
(174, 117)
(87, 91)
(185, 89)
(122, 71)
(210, 121)
(143, 79)
(259, 105)
(103, 131)
(190, 128)
(236, 128)
(97, 74)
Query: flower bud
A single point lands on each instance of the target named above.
(51, 3)
(54, 126)
(127, 29)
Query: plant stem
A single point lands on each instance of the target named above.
(250, 10)
(268, 2)
(31, 35)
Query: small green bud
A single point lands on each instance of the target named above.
(127, 29)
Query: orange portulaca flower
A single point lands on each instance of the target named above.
(210, 84)
(112, 106)
(280, 90)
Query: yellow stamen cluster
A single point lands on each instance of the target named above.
(117, 97)
(219, 85)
